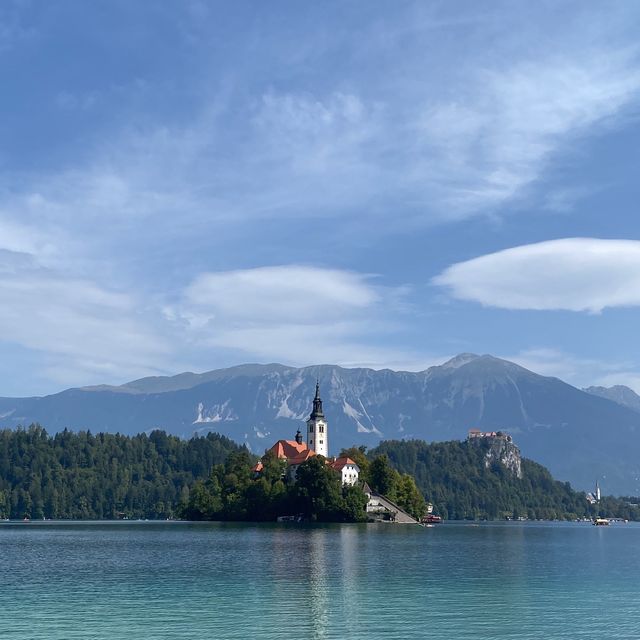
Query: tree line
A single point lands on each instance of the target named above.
(78, 475)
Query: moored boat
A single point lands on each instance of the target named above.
(430, 518)
(602, 522)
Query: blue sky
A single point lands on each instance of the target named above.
(188, 185)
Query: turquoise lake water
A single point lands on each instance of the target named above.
(180, 580)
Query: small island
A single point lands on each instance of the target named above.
(297, 480)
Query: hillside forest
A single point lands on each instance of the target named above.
(80, 475)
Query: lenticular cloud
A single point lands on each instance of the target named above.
(573, 274)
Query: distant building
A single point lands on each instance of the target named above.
(295, 452)
(348, 470)
(476, 433)
(594, 498)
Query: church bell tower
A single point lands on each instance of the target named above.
(317, 427)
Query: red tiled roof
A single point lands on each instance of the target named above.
(341, 463)
(288, 448)
(302, 457)
(257, 467)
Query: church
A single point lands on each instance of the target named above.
(297, 451)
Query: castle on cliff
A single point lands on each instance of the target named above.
(500, 448)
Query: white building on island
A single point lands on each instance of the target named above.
(295, 452)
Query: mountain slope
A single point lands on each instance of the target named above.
(618, 393)
(579, 436)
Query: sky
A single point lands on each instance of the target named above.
(187, 185)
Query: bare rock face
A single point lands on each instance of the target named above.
(502, 449)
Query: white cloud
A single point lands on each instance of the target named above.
(19, 238)
(281, 293)
(291, 313)
(574, 274)
(78, 325)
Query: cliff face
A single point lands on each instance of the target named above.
(501, 449)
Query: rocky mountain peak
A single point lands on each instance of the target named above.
(619, 393)
(460, 360)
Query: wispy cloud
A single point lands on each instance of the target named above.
(578, 370)
(574, 274)
(78, 325)
(424, 151)
(498, 136)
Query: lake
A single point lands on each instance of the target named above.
(149, 580)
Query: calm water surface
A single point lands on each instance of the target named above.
(180, 580)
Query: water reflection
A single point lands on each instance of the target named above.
(351, 548)
(318, 583)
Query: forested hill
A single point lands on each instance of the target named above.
(85, 476)
(454, 477)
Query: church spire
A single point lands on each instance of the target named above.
(317, 404)
(317, 427)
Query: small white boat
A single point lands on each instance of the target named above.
(601, 522)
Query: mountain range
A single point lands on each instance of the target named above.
(618, 393)
(580, 435)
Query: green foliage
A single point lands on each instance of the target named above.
(383, 477)
(80, 475)
(454, 478)
(318, 490)
(354, 504)
(408, 496)
(397, 487)
(231, 493)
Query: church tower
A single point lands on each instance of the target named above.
(317, 427)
